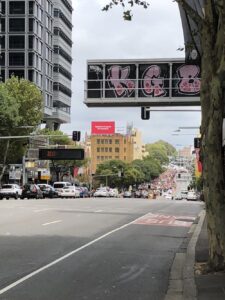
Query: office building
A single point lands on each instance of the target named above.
(108, 147)
(36, 45)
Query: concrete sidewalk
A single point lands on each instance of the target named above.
(209, 286)
(184, 283)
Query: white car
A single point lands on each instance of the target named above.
(113, 193)
(191, 196)
(101, 192)
(70, 192)
(10, 191)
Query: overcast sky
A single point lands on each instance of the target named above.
(155, 32)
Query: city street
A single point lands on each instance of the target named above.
(91, 248)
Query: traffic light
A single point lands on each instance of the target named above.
(197, 143)
(145, 113)
(76, 136)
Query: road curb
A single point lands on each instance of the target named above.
(182, 279)
(189, 286)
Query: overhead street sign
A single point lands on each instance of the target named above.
(61, 154)
(153, 82)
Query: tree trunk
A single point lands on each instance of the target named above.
(212, 102)
(4, 161)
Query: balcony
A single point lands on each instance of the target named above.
(60, 115)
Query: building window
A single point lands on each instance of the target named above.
(31, 7)
(3, 7)
(30, 75)
(16, 59)
(110, 142)
(16, 25)
(16, 42)
(98, 141)
(30, 59)
(31, 25)
(17, 7)
(117, 157)
(2, 59)
(102, 149)
(117, 149)
(106, 149)
(117, 142)
(2, 39)
(106, 141)
(2, 24)
(110, 149)
(98, 149)
(17, 73)
(31, 42)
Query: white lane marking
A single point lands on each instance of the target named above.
(12, 285)
(53, 222)
(97, 211)
(40, 210)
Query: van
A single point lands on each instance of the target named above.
(59, 186)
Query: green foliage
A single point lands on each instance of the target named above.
(57, 137)
(158, 151)
(28, 98)
(170, 150)
(20, 106)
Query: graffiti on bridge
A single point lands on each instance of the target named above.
(143, 80)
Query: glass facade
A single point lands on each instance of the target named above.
(28, 43)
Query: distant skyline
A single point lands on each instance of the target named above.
(153, 33)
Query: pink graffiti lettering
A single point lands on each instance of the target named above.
(190, 83)
(118, 79)
(152, 83)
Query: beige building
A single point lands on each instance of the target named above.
(138, 148)
(117, 146)
(185, 152)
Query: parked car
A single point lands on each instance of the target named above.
(59, 185)
(70, 192)
(10, 191)
(31, 190)
(127, 194)
(184, 194)
(191, 196)
(101, 192)
(113, 193)
(137, 194)
(48, 190)
(168, 196)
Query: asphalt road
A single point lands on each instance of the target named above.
(87, 249)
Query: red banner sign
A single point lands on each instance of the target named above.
(102, 127)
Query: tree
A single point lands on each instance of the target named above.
(209, 26)
(157, 151)
(20, 112)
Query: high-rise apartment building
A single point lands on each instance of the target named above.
(36, 45)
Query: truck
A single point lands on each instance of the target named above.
(182, 181)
